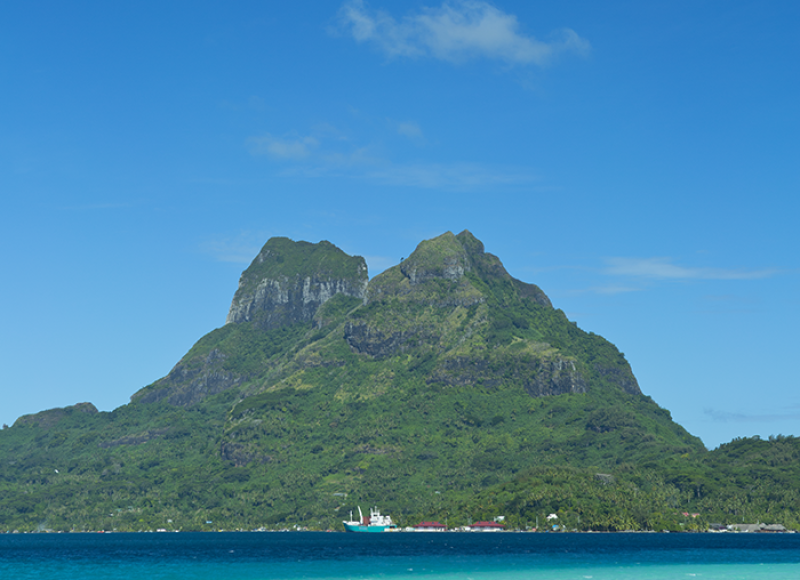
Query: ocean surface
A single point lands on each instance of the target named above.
(399, 556)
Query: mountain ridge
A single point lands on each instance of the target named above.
(443, 372)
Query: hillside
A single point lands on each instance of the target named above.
(441, 379)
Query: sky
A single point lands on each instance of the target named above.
(639, 161)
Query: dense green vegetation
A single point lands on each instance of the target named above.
(452, 392)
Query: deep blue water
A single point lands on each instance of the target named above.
(400, 556)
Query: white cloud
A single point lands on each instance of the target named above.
(287, 148)
(456, 31)
(664, 269)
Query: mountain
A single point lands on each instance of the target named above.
(439, 381)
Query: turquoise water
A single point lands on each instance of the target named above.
(320, 556)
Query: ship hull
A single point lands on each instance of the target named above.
(362, 528)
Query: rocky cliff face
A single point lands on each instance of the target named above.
(539, 376)
(288, 282)
(282, 301)
(285, 285)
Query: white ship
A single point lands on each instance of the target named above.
(374, 523)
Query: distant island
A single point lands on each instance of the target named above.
(441, 390)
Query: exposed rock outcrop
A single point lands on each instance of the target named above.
(541, 377)
(376, 343)
(288, 282)
(555, 377)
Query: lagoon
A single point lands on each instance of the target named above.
(399, 556)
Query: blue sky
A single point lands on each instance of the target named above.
(639, 161)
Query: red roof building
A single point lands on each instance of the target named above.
(486, 527)
(430, 527)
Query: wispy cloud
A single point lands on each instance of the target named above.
(330, 154)
(410, 130)
(456, 31)
(282, 148)
(612, 289)
(727, 417)
(664, 269)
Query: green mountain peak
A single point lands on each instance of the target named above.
(442, 373)
(441, 257)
